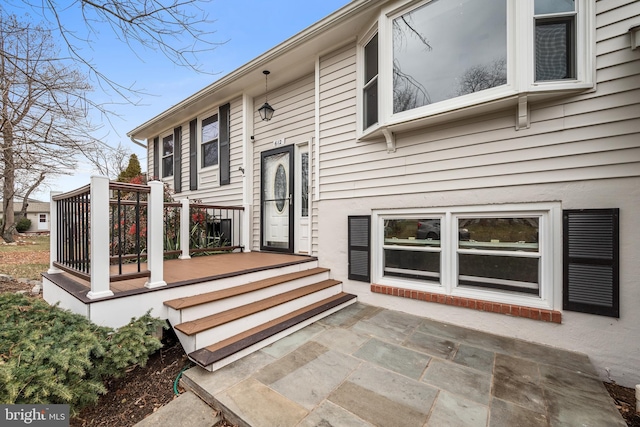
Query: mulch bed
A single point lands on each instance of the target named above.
(140, 392)
(625, 399)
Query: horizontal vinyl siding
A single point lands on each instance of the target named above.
(209, 188)
(593, 135)
(293, 120)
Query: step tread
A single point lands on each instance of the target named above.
(195, 300)
(218, 351)
(209, 322)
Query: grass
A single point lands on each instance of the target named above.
(27, 260)
(37, 244)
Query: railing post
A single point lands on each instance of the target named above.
(184, 229)
(99, 240)
(53, 233)
(246, 228)
(155, 233)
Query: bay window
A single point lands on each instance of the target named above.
(422, 59)
(479, 252)
(555, 39)
(370, 90)
(445, 49)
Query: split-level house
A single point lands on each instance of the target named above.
(476, 162)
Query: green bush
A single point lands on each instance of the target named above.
(50, 355)
(23, 225)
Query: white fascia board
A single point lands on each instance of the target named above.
(248, 72)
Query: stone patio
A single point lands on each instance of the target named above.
(366, 366)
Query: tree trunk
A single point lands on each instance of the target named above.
(8, 228)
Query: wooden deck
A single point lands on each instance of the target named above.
(181, 272)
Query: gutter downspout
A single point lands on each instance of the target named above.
(135, 141)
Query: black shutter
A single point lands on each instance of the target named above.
(193, 154)
(177, 159)
(360, 248)
(156, 157)
(225, 149)
(591, 261)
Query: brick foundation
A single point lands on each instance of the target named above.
(474, 304)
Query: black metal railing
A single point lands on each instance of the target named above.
(211, 229)
(73, 245)
(128, 215)
(215, 228)
(172, 217)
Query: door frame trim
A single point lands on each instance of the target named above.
(291, 150)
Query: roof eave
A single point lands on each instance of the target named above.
(347, 12)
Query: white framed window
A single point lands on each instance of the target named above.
(167, 155)
(42, 218)
(495, 253)
(440, 56)
(555, 40)
(370, 81)
(209, 140)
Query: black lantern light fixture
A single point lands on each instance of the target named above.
(266, 111)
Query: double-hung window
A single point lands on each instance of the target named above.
(496, 254)
(432, 57)
(209, 141)
(167, 155)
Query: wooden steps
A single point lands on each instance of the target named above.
(181, 303)
(195, 326)
(219, 351)
(218, 327)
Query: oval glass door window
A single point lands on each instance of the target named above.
(280, 187)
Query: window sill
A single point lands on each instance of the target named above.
(410, 120)
(514, 310)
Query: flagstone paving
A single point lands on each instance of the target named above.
(366, 366)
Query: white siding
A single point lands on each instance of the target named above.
(581, 150)
(588, 136)
(293, 120)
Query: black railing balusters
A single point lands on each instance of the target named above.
(214, 228)
(74, 234)
(121, 225)
(138, 228)
(87, 227)
(73, 225)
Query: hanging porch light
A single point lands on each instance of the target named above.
(266, 111)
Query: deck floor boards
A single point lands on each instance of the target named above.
(197, 269)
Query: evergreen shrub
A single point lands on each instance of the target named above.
(23, 225)
(49, 355)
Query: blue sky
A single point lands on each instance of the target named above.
(249, 28)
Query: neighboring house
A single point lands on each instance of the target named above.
(39, 214)
(476, 162)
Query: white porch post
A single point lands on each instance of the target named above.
(184, 229)
(99, 241)
(248, 114)
(53, 233)
(155, 227)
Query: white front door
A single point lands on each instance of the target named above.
(277, 207)
(302, 200)
(43, 222)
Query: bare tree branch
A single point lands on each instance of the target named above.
(43, 104)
